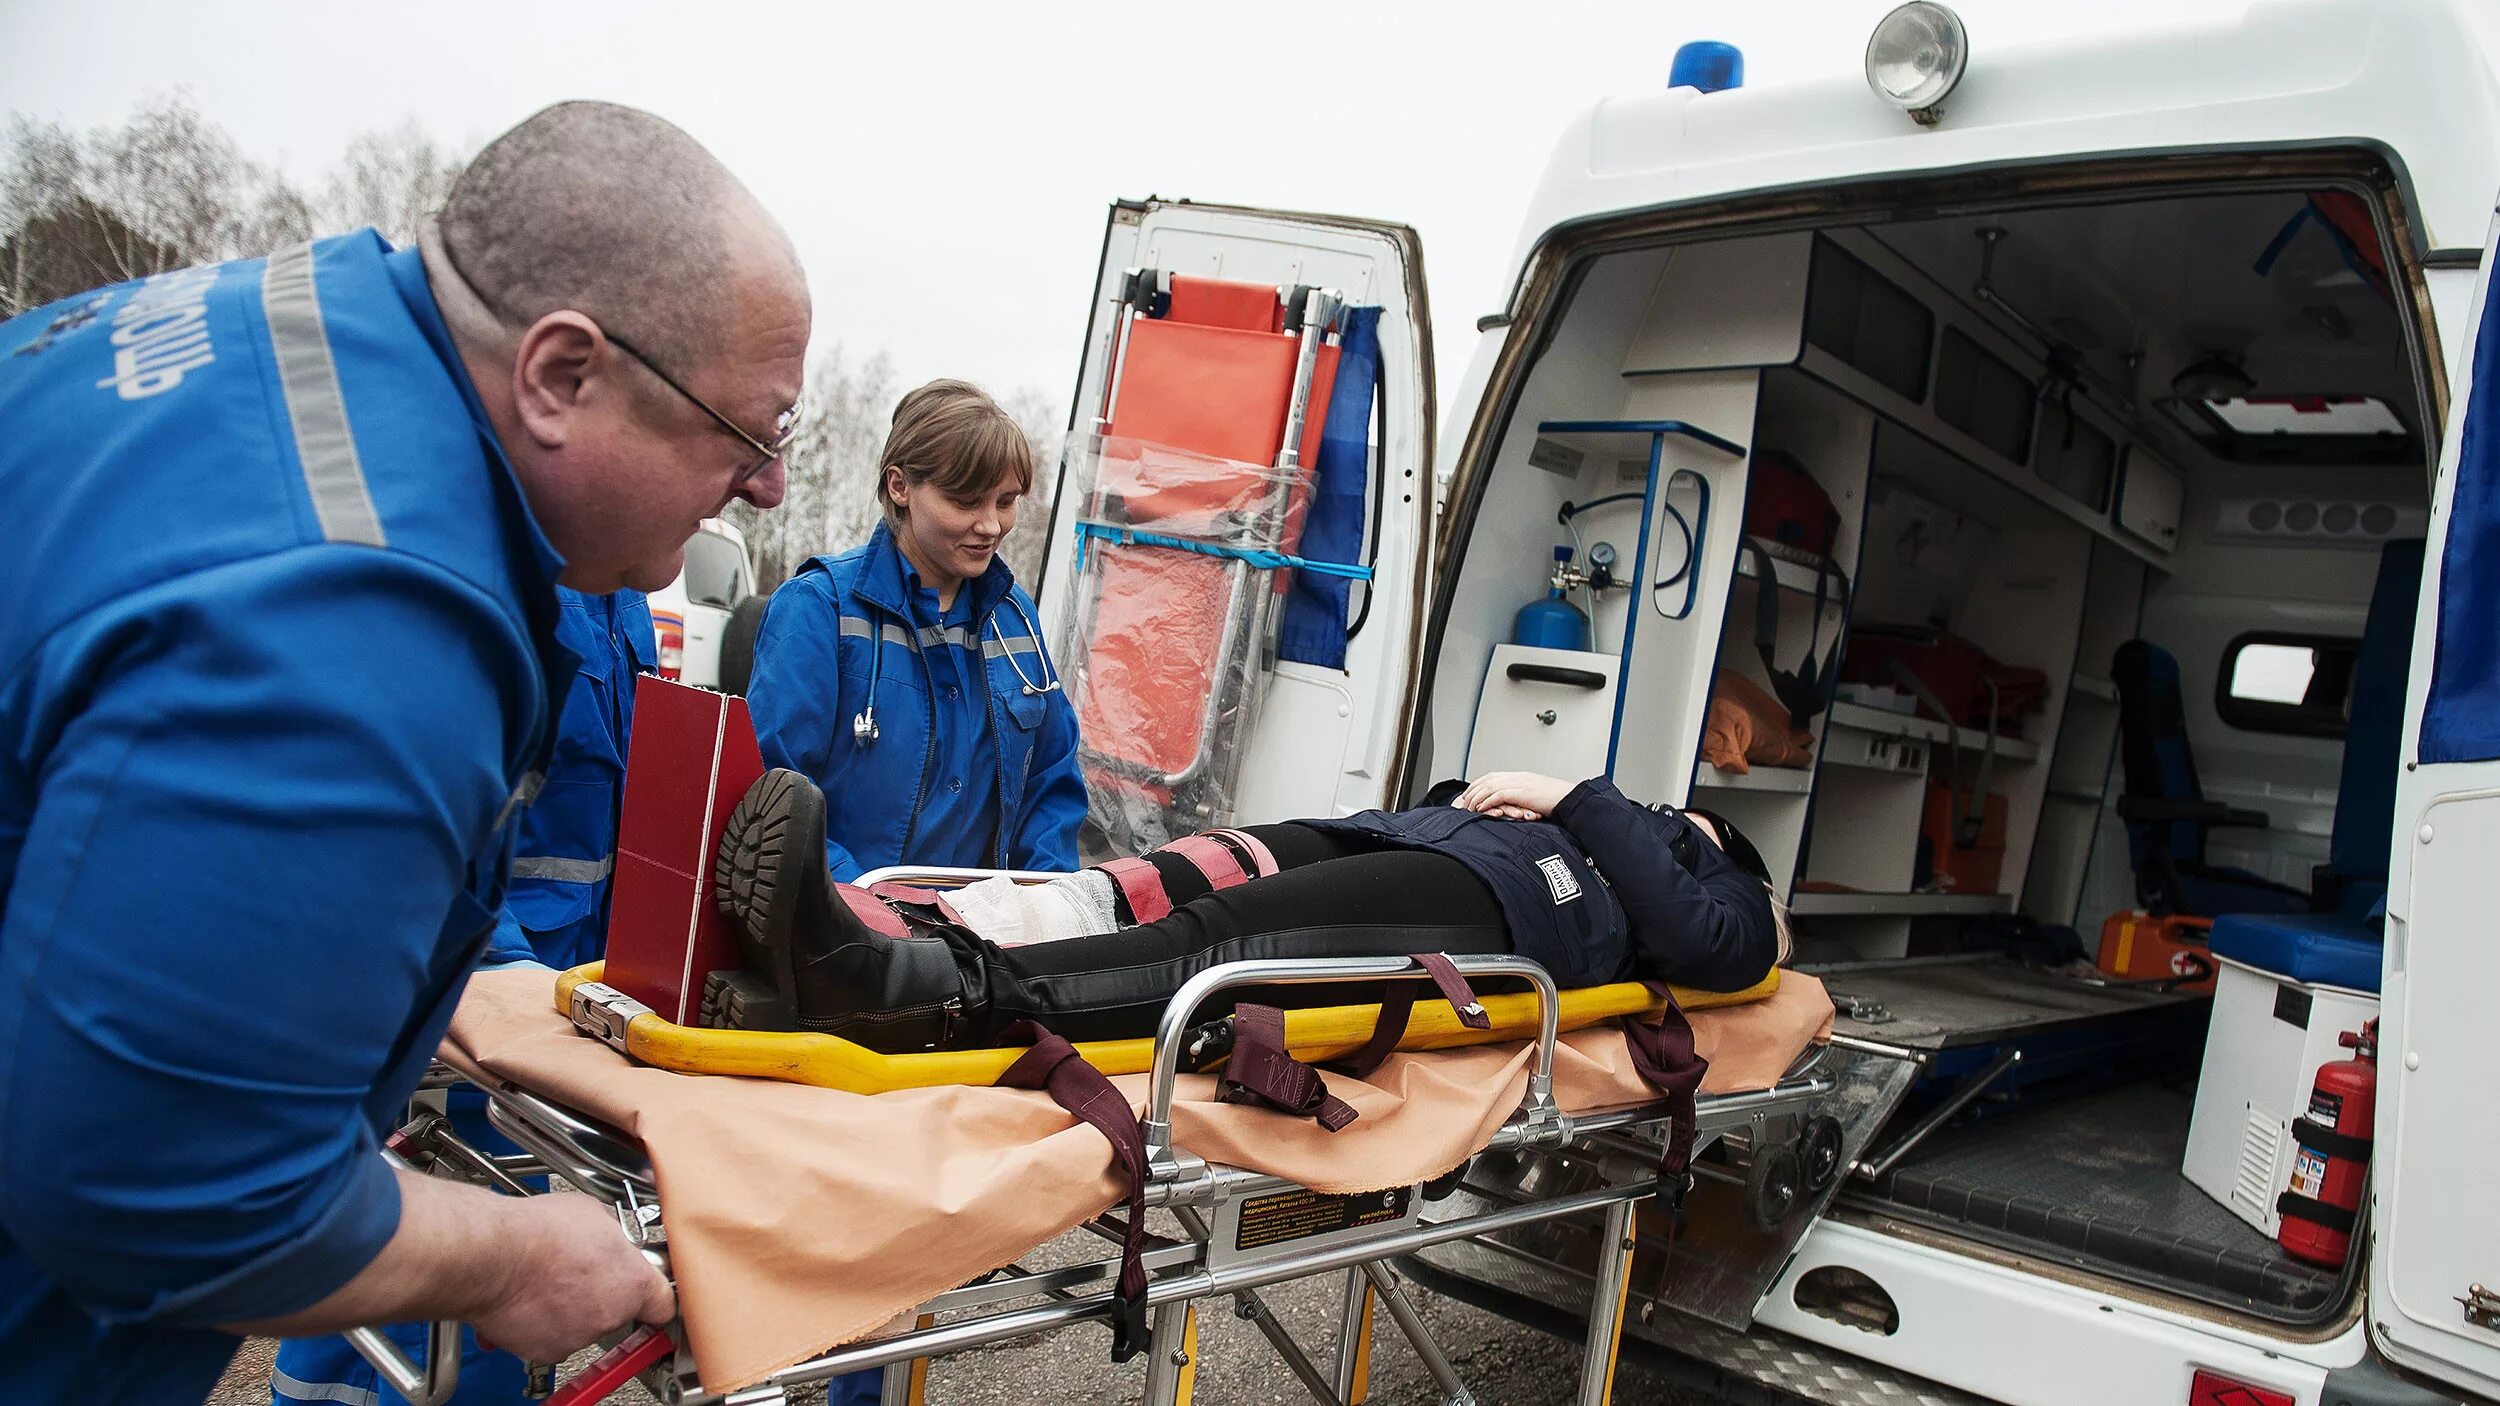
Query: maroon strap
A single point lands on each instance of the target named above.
(1141, 886)
(1260, 1071)
(1399, 1003)
(1262, 859)
(1054, 1067)
(1663, 1055)
(1211, 857)
(872, 911)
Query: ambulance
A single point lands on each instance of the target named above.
(2045, 495)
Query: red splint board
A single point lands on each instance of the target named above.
(692, 757)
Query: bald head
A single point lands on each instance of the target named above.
(619, 214)
(635, 326)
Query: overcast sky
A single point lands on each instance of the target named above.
(945, 169)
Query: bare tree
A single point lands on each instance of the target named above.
(830, 503)
(169, 189)
(390, 180)
(1045, 421)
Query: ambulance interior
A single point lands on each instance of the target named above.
(2080, 467)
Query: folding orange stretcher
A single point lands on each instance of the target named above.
(1211, 410)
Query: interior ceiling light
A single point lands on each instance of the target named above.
(1916, 56)
(2215, 377)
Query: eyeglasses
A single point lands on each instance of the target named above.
(785, 427)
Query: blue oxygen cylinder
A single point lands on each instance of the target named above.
(1552, 623)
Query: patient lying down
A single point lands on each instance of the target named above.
(1590, 884)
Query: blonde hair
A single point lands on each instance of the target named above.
(951, 434)
(1787, 934)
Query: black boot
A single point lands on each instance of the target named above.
(830, 970)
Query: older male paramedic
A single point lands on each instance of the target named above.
(555, 914)
(276, 672)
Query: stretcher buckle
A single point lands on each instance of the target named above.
(603, 1013)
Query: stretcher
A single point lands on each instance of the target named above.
(1194, 480)
(1219, 1231)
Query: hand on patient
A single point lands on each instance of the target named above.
(1513, 795)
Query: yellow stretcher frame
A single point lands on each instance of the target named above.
(1313, 1035)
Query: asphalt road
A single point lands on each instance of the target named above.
(1503, 1363)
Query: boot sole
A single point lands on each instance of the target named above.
(753, 879)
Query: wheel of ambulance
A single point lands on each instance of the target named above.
(1819, 1149)
(1774, 1186)
(737, 643)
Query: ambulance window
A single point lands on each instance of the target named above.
(1856, 315)
(1983, 397)
(2073, 457)
(714, 566)
(2273, 682)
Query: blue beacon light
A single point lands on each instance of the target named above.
(1708, 65)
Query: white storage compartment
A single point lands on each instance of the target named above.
(1546, 710)
(2148, 500)
(2262, 1053)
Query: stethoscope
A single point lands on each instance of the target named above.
(864, 725)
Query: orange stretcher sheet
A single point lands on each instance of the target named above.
(800, 1218)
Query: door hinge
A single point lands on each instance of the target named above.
(2482, 1307)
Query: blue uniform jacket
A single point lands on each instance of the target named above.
(1604, 889)
(271, 684)
(557, 910)
(813, 662)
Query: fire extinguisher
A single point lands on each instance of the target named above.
(2325, 1195)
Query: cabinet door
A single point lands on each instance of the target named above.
(2149, 499)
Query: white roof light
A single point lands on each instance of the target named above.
(1915, 57)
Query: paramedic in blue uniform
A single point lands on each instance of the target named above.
(909, 676)
(555, 914)
(277, 669)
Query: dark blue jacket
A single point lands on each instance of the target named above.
(271, 684)
(1604, 889)
(557, 910)
(845, 620)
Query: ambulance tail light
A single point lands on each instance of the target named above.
(672, 632)
(2215, 1389)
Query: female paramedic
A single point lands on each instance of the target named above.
(1594, 886)
(908, 676)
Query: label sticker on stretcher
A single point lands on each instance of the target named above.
(1287, 1217)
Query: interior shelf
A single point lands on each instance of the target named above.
(1629, 439)
(1969, 739)
(1792, 575)
(2091, 687)
(1899, 905)
(1781, 780)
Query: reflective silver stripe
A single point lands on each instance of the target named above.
(859, 629)
(571, 871)
(314, 405)
(297, 1390)
(996, 647)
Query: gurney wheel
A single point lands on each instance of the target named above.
(1820, 1148)
(1774, 1185)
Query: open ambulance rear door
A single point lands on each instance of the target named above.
(1324, 739)
(2434, 1296)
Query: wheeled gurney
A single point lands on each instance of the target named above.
(1230, 1230)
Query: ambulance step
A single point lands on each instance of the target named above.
(1760, 1365)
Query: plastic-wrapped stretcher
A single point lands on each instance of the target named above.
(793, 1212)
(1194, 483)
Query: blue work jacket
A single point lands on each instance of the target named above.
(1605, 889)
(278, 665)
(846, 621)
(556, 912)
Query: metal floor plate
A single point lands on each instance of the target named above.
(1942, 1005)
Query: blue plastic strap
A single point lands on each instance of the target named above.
(1263, 560)
(1317, 604)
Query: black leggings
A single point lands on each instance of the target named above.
(1333, 895)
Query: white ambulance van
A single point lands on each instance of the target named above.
(2084, 445)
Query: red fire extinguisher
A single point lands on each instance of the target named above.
(2325, 1195)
